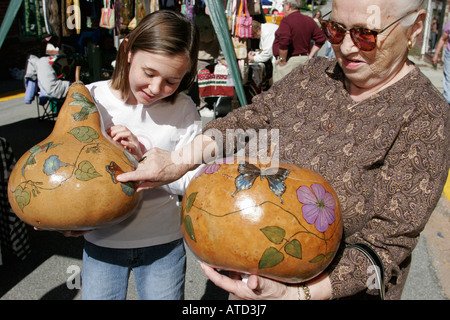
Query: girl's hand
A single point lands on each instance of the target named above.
(70, 233)
(127, 139)
(74, 234)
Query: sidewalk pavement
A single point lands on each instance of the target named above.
(55, 260)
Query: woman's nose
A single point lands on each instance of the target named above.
(348, 46)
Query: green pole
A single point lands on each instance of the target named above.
(219, 20)
(11, 13)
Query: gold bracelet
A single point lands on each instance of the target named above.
(305, 290)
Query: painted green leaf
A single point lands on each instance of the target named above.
(81, 100)
(317, 259)
(189, 228)
(329, 255)
(190, 201)
(321, 257)
(128, 188)
(87, 106)
(274, 234)
(86, 171)
(294, 248)
(181, 215)
(270, 258)
(84, 134)
(22, 196)
(35, 149)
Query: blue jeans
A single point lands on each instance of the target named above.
(158, 272)
(446, 79)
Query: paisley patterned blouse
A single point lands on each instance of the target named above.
(386, 157)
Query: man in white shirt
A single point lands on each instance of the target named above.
(265, 32)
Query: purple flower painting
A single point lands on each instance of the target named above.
(208, 169)
(318, 206)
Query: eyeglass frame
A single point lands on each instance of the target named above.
(376, 33)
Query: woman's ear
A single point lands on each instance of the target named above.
(418, 26)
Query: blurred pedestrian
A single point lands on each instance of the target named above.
(292, 45)
(444, 41)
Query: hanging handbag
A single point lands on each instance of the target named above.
(126, 15)
(213, 82)
(140, 11)
(244, 27)
(107, 19)
(35, 19)
(376, 262)
(154, 6)
(240, 47)
(229, 14)
(187, 8)
(254, 6)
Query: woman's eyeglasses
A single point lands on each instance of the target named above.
(365, 39)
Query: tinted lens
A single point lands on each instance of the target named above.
(334, 32)
(364, 39)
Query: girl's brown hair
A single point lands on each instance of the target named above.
(162, 32)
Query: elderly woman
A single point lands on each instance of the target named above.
(371, 123)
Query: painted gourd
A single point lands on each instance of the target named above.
(68, 181)
(281, 222)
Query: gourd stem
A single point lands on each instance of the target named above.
(77, 74)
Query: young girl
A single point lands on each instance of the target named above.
(142, 107)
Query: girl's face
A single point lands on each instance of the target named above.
(154, 76)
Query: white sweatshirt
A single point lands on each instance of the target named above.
(165, 125)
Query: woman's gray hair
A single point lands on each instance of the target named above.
(402, 7)
(294, 4)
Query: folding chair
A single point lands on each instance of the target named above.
(47, 106)
(50, 106)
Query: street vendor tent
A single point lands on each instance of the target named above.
(219, 20)
(217, 14)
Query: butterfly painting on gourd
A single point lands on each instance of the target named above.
(248, 173)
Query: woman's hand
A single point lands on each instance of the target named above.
(158, 167)
(127, 139)
(254, 288)
(259, 288)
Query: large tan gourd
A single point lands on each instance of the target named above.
(68, 181)
(282, 222)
